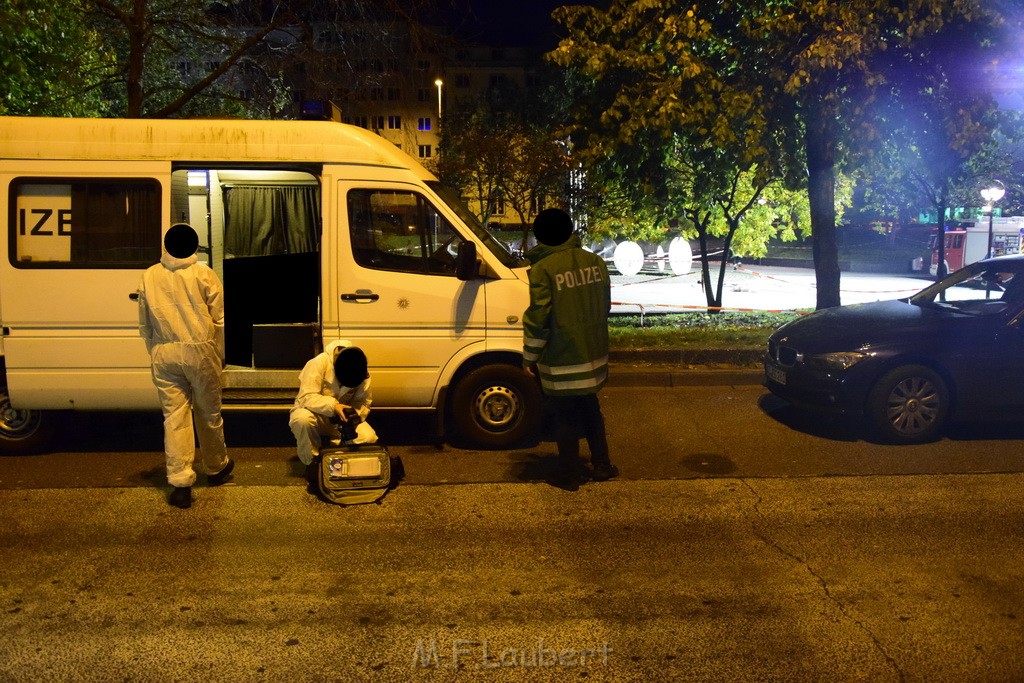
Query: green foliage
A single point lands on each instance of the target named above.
(48, 57)
(705, 106)
(726, 330)
(674, 131)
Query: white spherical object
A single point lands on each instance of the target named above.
(680, 256)
(660, 254)
(628, 258)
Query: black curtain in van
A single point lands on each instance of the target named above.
(115, 223)
(262, 220)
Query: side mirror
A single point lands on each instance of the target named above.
(466, 264)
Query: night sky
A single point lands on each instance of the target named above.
(506, 23)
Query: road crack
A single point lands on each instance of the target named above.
(765, 538)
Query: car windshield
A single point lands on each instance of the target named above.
(492, 244)
(983, 288)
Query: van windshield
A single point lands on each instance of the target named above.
(492, 244)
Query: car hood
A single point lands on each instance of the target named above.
(860, 325)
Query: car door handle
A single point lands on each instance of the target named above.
(360, 295)
(134, 296)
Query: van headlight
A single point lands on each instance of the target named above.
(840, 360)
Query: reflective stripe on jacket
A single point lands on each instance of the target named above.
(565, 329)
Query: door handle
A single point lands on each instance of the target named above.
(360, 295)
(134, 296)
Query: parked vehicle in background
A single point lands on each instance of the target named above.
(318, 230)
(954, 351)
(967, 245)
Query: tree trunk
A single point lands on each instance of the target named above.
(940, 208)
(705, 268)
(135, 25)
(821, 145)
(734, 225)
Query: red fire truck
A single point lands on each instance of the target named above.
(969, 244)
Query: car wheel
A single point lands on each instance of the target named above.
(21, 431)
(496, 406)
(909, 404)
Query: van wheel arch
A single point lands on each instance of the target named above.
(22, 430)
(492, 403)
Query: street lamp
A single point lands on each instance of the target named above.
(992, 194)
(439, 83)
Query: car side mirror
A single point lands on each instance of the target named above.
(466, 263)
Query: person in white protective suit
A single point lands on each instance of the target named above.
(181, 318)
(330, 383)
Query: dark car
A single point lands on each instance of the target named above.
(954, 351)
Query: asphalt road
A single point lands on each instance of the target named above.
(742, 542)
(654, 432)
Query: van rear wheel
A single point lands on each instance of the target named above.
(21, 430)
(496, 406)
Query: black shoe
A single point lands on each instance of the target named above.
(181, 497)
(569, 479)
(605, 472)
(222, 476)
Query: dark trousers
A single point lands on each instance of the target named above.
(576, 417)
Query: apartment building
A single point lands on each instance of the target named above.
(399, 81)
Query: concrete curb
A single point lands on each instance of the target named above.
(680, 368)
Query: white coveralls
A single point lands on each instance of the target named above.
(311, 418)
(181, 317)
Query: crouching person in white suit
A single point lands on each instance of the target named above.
(329, 384)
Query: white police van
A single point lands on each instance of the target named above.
(318, 231)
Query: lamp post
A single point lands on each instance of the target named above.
(439, 83)
(992, 194)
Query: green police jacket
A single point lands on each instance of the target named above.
(565, 329)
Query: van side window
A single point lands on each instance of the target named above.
(85, 222)
(396, 230)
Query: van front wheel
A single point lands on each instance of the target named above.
(21, 431)
(496, 406)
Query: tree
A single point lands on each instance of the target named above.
(172, 54)
(533, 171)
(671, 119)
(937, 118)
(828, 59)
(47, 52)
(736, 72)
(161, 58)
(496, 148)
(470, 157)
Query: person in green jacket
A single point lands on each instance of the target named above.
(565, 341)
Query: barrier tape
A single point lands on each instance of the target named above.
(694, 307)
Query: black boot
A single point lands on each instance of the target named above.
(222, 476)
(605, 472)
(181, 497)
